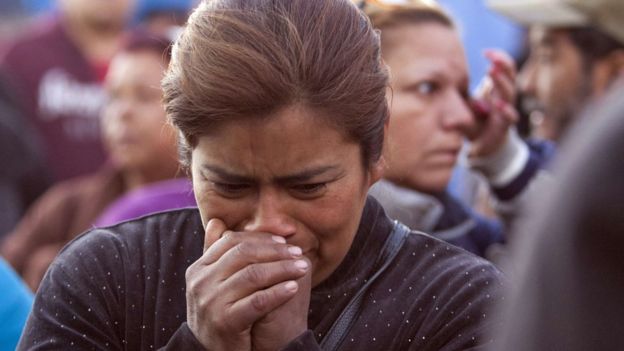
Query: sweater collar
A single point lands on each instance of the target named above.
(357, 265)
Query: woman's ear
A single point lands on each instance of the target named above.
(379, 167)
(377, 170)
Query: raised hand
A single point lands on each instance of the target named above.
(494, 106)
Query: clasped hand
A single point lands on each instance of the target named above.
(248, 291)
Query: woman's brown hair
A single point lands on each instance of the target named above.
(249, 58)
(389, 16)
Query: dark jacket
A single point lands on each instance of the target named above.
(123, 287)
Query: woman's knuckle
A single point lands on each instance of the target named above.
(191, 286)
(229, 236)
(260, 301)
(189, 273)
(255, 274)
(244, 249)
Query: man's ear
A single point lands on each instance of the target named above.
(618, 61)
(606, 71)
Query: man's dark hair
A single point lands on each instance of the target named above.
(593, 44)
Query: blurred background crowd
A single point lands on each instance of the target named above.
(84, 139)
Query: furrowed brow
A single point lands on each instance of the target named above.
(305, 175)
(227, 175)
(302, 176)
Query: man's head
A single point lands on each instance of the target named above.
(576, 53)
(102, 14)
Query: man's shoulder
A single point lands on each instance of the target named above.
(43, 46)
(38, 36)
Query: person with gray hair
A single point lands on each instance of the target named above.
(576, 55)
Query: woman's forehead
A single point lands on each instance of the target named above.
(426, 51)
(291, 141)
(279, 126)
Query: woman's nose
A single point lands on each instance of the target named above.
(457, 115)
(269, 216)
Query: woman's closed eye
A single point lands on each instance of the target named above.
(309, 189)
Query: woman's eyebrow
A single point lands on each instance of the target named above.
(306, 174)
(227, 175)
(290, 178)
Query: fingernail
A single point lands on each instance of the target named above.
(295, 250)
(481, 107)
(500, 104)
(301, 264)
(279, 239)
(492, 54)
(291, 286)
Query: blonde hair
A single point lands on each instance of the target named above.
(387, 14)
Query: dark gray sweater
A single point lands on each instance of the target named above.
(123, 287)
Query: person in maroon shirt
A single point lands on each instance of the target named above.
(55, 70)
(141, 148)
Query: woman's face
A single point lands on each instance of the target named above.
(134, 123)
(428, 106)
(291, 174)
